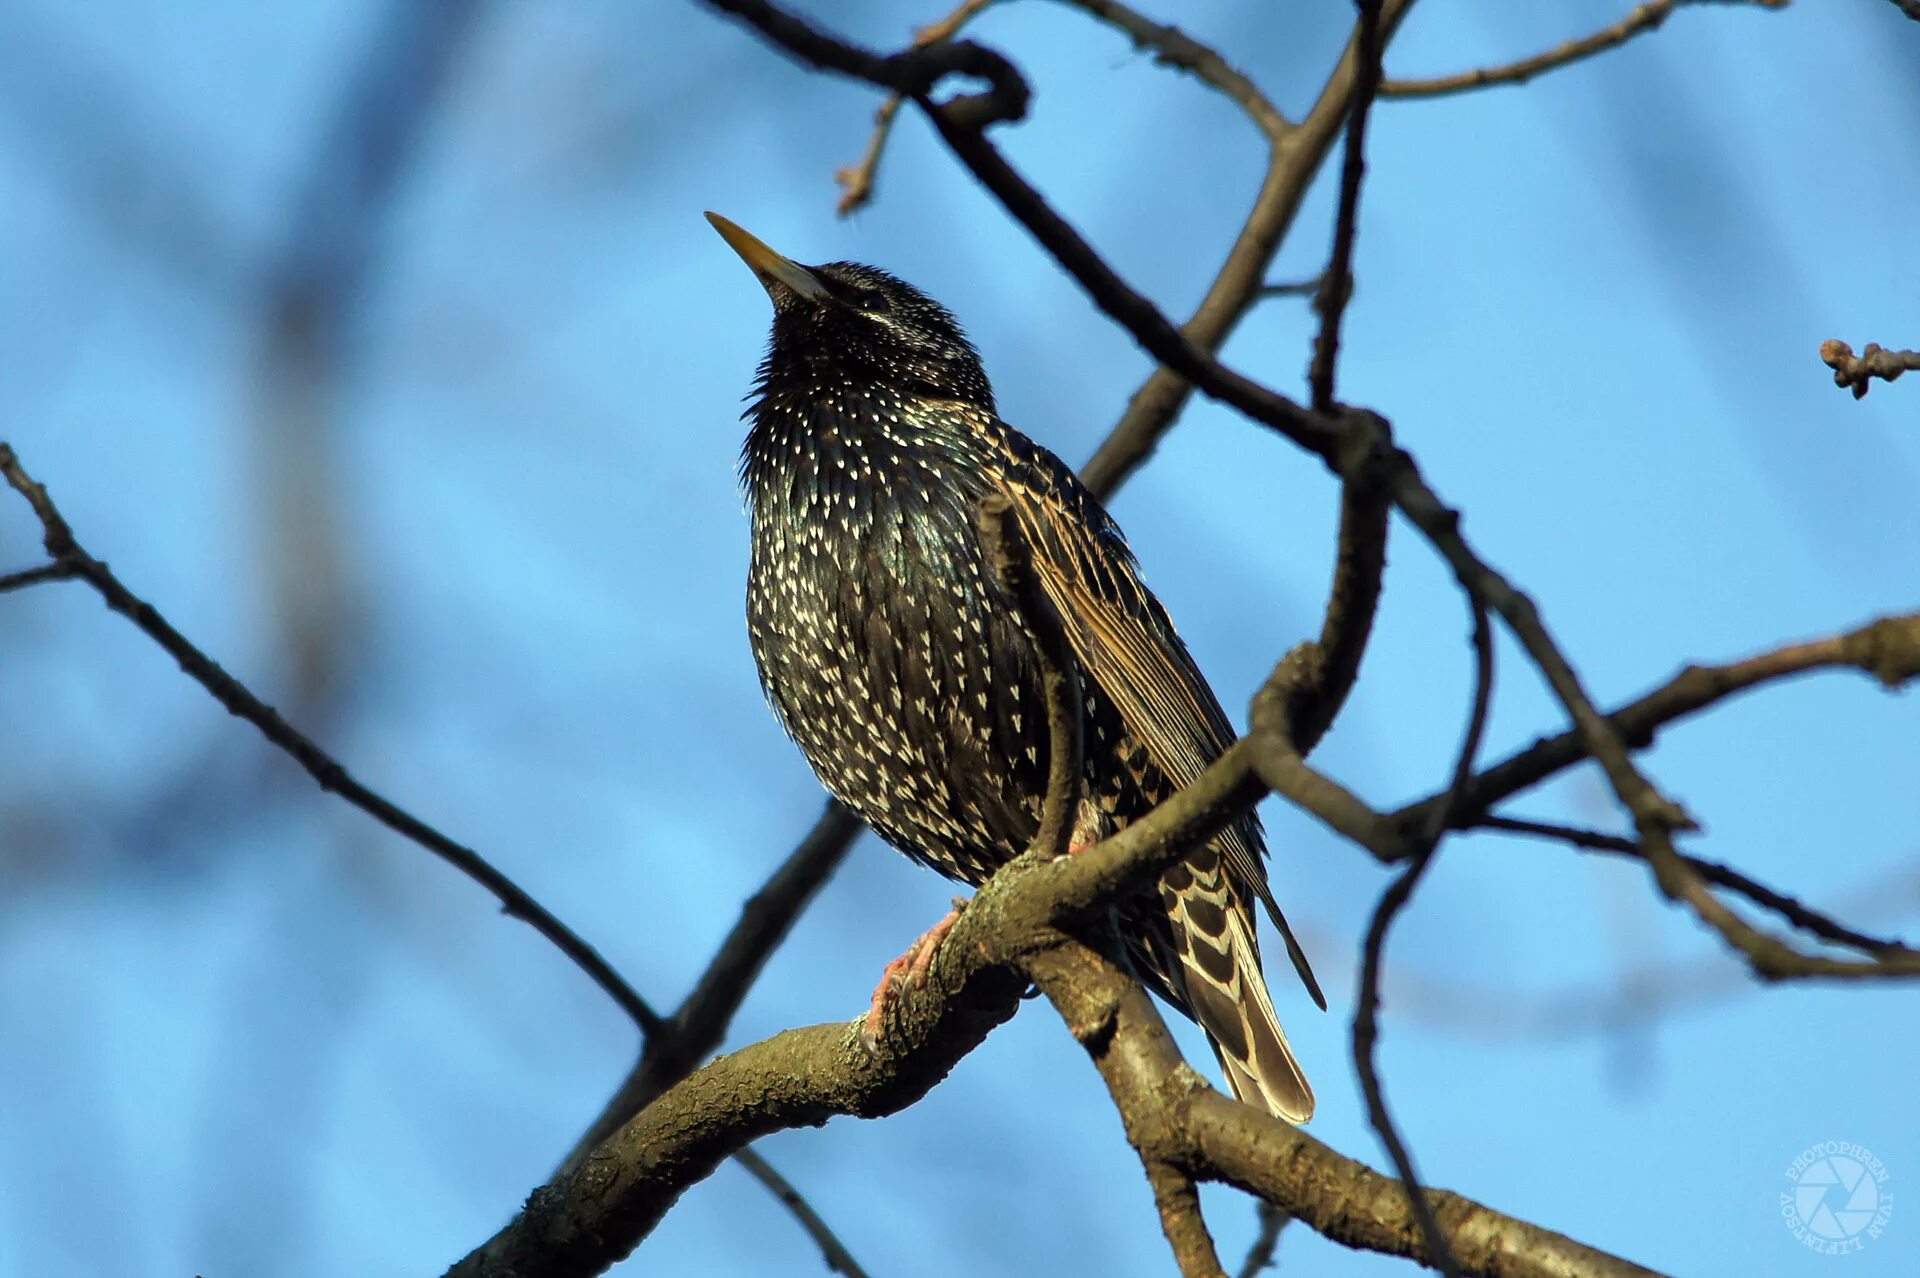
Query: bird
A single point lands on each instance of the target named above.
(906, 675)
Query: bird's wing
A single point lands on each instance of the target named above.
(1123, 637)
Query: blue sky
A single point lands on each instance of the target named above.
(242, 1031)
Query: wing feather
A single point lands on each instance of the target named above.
(1124, 638)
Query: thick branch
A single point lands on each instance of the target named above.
(67, 553)
(1113, 1019)
(1644, 18)
(1858, 371)
(1175, 1118)
(1350, 1203)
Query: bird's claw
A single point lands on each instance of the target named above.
(907, 971)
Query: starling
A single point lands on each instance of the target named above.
(906, 675)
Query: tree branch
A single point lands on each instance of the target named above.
(856, 181)
(1336, 285)
(1172, 47)
(1011, 932)
(1366, 1022)
(695, 1030)
(1887, 649)
(1294, 160)
(1260, 1255)
(832, 1250)
(36, 576)
(1714, 872)
(1350, 1203)
(67, 553)
(1858, 371)
(1644, 18)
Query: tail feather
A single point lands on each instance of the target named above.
(1219, 965)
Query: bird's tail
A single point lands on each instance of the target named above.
(1220, 963)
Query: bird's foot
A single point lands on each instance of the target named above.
(907, 971)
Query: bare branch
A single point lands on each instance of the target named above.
(1350, 1203)
(1336, 285)
(961, 122)
(1366, 1037)
(64, 550)
(1294, 160)
(832, 1250)
(1858, 371)
(1113, 1019)
(1366, 1020)
(696, 1028)
(1887, 649)
(1010, 933)
(856, 181)
(1266, 1243)
(1294, 288)
(1644, 18)
(36, 576)
(1173, 47)
(1714, 872)
(1174, 1118)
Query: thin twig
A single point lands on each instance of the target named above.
(832, 1250)
(1366, 1022)
(63, 549)
(1888, 649)
(696, 1028)
(1656, 818)
(1295, 158)
(1266, 1243)
(1173, 47)
(1336, 285)
(1294, 288)
(856, 181)
(1714, 872)
(1645, 17)
(1858, 371)
(36, 576)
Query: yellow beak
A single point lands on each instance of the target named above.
(768, 265)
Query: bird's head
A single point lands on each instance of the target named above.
(846, 328)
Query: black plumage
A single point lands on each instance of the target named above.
(906, 675)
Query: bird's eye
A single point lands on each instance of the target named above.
(873, 302)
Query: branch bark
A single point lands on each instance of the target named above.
(1644, 18)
